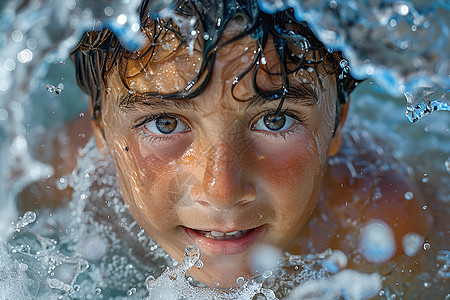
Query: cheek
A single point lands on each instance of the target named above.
(144, 179)
(289, 164)
(291, 177)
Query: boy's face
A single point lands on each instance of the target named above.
(193, 170)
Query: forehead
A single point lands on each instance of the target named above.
(168, 65)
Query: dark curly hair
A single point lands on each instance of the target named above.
(98, 51)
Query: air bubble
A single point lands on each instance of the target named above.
(426, 246)
(240, 281)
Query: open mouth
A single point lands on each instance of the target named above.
(224, 243)
(217, 235)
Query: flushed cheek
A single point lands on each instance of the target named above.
(291, 175)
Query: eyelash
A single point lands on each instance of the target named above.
(150, 137)
(284, 133)
(159, 138)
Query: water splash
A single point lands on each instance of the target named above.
(426, 100)
(403, 45)
(172, 284)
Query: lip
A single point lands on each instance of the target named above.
(224, 247)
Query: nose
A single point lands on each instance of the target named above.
(224, 184)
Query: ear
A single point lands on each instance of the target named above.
(337, 139)
(100, 141)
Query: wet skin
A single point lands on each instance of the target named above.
(220, 167)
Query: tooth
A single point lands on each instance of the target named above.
(232, 233)
(216, 233)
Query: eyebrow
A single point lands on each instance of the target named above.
(297, 95)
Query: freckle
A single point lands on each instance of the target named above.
(126, 148)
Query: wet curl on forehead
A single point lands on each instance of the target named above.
(195, 31)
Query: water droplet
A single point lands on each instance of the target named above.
(131, 291)
(17, 36)
(240, 280)
(25, 56)
(23, 267)
(28, 218)
(425, 207)
(98, 291)
(76, 287)
(108, 11)
(9, 64)
(426, 284)
(411, 243)
(426, 246)
(122, 19)
(199, 264)
(447, 165)
(205, 36)
(409, 195)
(3, 114)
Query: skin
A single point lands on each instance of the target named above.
(224, 171)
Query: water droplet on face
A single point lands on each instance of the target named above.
(199, 264)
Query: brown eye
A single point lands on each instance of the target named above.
(166, 124)
(274, 121)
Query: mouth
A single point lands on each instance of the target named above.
(224, 243)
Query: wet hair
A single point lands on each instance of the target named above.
(99, 51)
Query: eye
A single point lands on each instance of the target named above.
(165, 124)
(274, 121)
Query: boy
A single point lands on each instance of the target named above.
(221, 129)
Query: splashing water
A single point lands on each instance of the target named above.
(403, 46)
